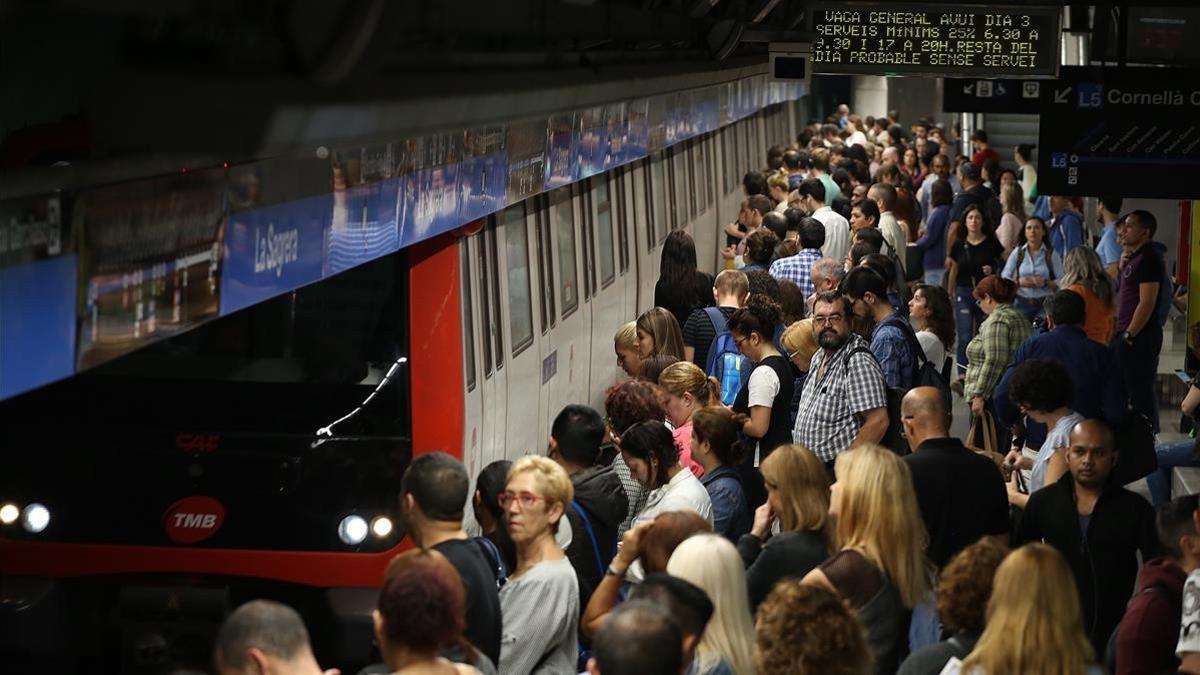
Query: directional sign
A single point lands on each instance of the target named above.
(1133, 132)
(993, 96)
(948, 40)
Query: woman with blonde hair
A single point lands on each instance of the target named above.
(797, 499)
(1012, 200)
(687, 389)
(799, 341)
(712, 563)
(715, 445)
(880, 568)
(1084, 274)
(625, 343)
(658, 333)
(1034, 624)
(777, 186)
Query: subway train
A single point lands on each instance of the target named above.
(259, 453)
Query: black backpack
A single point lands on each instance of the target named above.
(892, 438)
(1136, 458)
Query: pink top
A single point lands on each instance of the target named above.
(1009, 232)
(683, 442)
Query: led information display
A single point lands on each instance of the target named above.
(1130, 131)
(949, 40)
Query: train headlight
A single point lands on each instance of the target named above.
(9, 514)
(352, 530)
(35, 518)
(381, 526)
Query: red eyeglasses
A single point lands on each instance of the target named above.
(525, 499)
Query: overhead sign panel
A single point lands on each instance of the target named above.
(993, 96)
(948, 40)
(1132, 131)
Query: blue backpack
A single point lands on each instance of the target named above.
(725, 361)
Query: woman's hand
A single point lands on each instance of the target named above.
(977, 405)
(763, 518)
(1015, 496)
(630, 547)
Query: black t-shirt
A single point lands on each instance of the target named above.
(971, 259)
(680, 301)
(981, 196)
(961, 496)
(483, 599)
(698, 333)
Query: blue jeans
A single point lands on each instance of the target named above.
(1030, 308)
(1170, 455)
(967, 317)
(934, 277)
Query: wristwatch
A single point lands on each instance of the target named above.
(1127, 337)
(612, 571)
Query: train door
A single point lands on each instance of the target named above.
(523, 433)
(658, 203)
(607, 304)
(547, 307)
(621, 189)
(643, 237)
(473, 372)
(491, 332)
(569, 338)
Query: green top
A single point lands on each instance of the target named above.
(990, 352)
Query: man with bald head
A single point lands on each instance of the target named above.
(961, 494)
(1097, 526)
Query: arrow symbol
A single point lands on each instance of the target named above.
(1060, 95)
(967, 89)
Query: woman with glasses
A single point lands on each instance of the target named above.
(991, 350)
(540, 602)
(766, 396)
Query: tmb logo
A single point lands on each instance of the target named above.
(193, 519)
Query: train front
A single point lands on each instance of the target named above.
(258, 455)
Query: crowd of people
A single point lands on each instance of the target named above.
(774, 488)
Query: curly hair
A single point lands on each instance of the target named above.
(941, 313)
(807, 629)
(966, 584)
(1041, 384)
(631, 402)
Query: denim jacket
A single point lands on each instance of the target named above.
(731, 515)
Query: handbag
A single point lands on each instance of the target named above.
(983, 438)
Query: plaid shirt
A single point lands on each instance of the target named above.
(835, 397)
(797, 269)
(894, 354)
(990, 352)
(635, 492)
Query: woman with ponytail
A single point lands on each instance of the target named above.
(687, 389)
(715, 446)
(765, 398)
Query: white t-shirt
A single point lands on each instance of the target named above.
(763, 386)
(1189, 637)
(837, 233)
(684, 492)
(894, 235)
(935, 351)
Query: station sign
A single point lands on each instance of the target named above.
(1130, 131)
(993, 96)
(945, 40)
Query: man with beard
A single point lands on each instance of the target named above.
(843, 403)
(1099, 528)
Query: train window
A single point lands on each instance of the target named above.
(494, 285)
(539, 225)
(584, 196)
(603, 224)
(546, 263)
(468, 304)
(658, 188)
(683, 187)
(641, 203)
(485, 305)
(621, 218)
(516, 259)
(564, 224)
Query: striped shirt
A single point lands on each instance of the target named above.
(797, 269)
(837, 392)
(541, 615)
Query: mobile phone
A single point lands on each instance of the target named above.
(1022, 486)
(1187, 379)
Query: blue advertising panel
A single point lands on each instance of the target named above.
(592, 147)
(272, 244)
(363, 224)
(525, 145)
(431, 203)
(37, 295)
(483, 179)
(637, 144)
(560, 151)
(616, 125)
